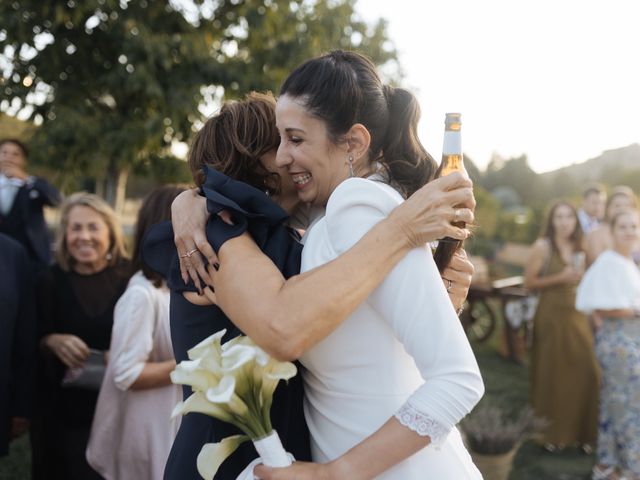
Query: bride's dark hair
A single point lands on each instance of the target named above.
(342, 89)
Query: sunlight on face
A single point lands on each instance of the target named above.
(87, 238)
(316, 165)
(626, 231)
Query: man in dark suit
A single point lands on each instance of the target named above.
(22, 198)
(17, 341)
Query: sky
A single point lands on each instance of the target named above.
(557, 80)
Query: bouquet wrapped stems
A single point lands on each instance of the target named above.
(234, 383)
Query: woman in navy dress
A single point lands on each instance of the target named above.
(241, 141)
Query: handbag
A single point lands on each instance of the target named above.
(90, 375)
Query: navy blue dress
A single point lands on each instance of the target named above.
(254, 212)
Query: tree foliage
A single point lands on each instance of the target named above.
(114, 83)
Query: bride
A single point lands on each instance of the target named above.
(385, 389)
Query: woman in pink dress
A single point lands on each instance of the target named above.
(132, 431)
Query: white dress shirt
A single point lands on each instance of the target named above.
(403, 352)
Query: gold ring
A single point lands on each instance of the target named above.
(189, 253)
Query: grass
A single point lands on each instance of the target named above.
(17, 465)
(507, 385)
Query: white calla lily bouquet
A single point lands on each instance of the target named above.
(233, 382)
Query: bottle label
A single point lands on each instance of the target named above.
(452, 143)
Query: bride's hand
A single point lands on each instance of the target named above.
(297, 471)
(189, 216)
(457, 278)
(427, 215)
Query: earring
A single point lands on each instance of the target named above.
(350, 161)
(109, 256)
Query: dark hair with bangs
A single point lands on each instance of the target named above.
(233, 141)
(342, 89)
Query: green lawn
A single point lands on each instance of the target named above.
(507, 385)
(18, 464)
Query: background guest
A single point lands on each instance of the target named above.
(132, 432)
(564, 371)
(17, 341)
(22, 198)
(611, 290)
(599, 239)
(77, 299)
(591, 213)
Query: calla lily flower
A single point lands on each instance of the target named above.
(213, 454)
(224, 393)
(189, 372)
(212, 342)
(198, 403)
(234, 383)
(237, 356)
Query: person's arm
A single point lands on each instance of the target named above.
(617, 313)
(47, 194)
(134, 323)
(538, 259)
(286, 318)
(413, 301)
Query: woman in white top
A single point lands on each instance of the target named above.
(611, 289)
(132, 431)
(386, 388)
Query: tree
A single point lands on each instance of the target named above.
(115, 83)
(516, 173)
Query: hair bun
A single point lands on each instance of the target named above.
(388, 91)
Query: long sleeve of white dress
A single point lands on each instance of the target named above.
(133, 331)
(413, 301)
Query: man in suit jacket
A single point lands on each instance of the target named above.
(22, 198)
(17, 341)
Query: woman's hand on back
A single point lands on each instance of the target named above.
(457, 278)
(428, 214)
(189, 216)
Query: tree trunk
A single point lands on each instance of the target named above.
(100, 185)
(116, 187)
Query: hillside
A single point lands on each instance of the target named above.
(622, 159)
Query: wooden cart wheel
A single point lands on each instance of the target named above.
(478, 320)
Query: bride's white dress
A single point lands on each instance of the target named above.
(403, 352)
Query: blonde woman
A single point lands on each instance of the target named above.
(77, 297)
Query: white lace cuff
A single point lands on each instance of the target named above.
(422, 424)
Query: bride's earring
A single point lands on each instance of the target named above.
(350, 161)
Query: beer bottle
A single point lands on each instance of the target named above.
(452, 161)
